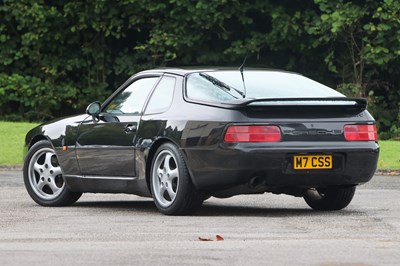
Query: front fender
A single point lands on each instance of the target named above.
(60, 133)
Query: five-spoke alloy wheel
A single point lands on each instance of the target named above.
(172, 189)
(43, 177)
(167, 178)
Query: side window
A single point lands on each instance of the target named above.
(131, 99)
(162, 96)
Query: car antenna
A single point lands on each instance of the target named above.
(241, 68)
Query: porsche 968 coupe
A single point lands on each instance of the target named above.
(181, 136)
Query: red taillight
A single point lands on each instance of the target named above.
(360, 132)
(253, 134)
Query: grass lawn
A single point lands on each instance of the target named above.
(12, 136)
(389, 157)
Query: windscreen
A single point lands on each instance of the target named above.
(229, 85)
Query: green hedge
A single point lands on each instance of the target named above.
(57, 56)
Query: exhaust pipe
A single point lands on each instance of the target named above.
(256, 182)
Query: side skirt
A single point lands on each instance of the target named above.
(106, 184)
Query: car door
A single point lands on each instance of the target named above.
(105, 144)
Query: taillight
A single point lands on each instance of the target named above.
(253, 134)
(360, 132)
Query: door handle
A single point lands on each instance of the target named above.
(130, 128)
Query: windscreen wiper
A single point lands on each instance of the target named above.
(221, 84)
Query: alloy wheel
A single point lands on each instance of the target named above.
(165, 178)
(45, 175)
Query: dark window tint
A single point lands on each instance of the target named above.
(131, 99)
(162, 96)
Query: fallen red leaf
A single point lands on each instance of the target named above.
(217, 238)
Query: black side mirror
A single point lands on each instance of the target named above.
(93, 109)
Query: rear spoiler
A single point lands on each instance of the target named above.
(334, 102)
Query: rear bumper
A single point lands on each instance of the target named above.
(230, 165)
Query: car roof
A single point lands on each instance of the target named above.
(188, 70)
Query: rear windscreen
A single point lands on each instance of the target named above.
(229, 85)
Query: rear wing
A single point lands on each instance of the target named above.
(325, 102)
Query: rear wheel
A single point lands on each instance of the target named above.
(172, 189)
(329, 199)
(44, 179)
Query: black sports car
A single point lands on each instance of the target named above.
(183, 135)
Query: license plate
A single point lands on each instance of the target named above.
(312, 162)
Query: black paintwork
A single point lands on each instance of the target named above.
(103, 156)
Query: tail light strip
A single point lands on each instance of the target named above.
(257, 133)
(360, 133)
(253, 134)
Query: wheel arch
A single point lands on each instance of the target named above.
(36, 139)
(28, 144)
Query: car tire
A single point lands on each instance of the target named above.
(171, 186)
(43, 177)
(330, 199)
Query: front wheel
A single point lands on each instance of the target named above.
(172, 189)
(44, 179)
(329, 199)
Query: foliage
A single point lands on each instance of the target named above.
(57, 56)
(363, 44)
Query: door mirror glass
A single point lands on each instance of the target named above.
(93, 109)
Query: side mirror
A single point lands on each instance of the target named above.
(93, 109)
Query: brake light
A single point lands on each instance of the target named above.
(253, 134)
(360, 132)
